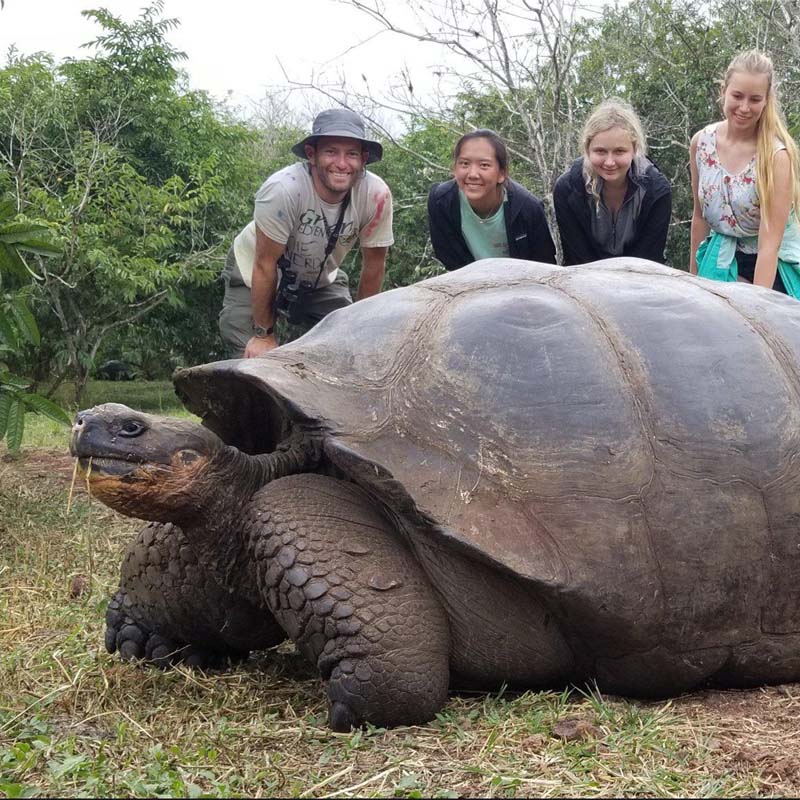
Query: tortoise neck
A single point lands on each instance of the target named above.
(299, 452)
(215, 518)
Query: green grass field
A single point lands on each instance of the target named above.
(77, 722)
(151, 396)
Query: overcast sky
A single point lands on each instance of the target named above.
(236, 45)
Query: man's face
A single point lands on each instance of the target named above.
(337, 164)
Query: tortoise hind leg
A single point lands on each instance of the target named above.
(347, 590)
(171, 609)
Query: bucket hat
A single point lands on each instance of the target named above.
(344, 124)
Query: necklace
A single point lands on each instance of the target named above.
(502, 192)
(484, 219)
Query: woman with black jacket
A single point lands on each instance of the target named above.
(612, 201)
(482, 213)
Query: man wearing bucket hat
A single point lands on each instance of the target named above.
(307, 218)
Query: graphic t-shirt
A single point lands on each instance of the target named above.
(289, 211)
(485, 238)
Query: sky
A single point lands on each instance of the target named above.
(236, 48)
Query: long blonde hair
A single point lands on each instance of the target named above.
(771, 126)
(612, 113)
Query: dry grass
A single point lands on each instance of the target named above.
(77, 722)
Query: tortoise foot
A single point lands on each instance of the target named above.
(135, 641)
(341, 717)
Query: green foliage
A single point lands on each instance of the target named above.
(421, 158)
(17, 324)
(154, 396)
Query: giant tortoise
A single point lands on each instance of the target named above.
(513, 473)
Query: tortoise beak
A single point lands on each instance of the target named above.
(99, 446)
(106, 466)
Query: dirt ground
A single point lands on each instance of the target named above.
(54, 466)
(752, 731)
(757, 728)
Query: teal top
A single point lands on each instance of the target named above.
(485, 238)
(716, 257)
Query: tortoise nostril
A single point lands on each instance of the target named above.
(79, 420)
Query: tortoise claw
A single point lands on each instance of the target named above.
(137, 642)
(341, 718)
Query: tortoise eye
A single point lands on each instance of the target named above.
(131, 427)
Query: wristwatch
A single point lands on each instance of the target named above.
(261, 332)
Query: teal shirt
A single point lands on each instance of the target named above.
(485, 238)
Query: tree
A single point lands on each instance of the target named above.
(140, 180)
(518, 55)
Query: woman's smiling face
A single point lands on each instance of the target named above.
(478, 172)
(611, 153)
(744, 100)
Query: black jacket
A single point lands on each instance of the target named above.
(526, 226)
(573, 215)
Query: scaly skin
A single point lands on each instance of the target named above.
(184, 596)
(347, 590)
(171, 608)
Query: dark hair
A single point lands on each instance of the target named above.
(499, 146)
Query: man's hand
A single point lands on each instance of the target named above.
(259, 344)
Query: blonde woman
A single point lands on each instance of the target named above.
(745, 183)
(612, 201)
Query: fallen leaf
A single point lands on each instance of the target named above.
(573, 729)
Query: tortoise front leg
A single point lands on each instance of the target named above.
(348, 591)
(170, 608)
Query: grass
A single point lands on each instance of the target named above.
(76, 722)
(151, 396)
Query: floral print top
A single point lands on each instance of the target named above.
(729, 201)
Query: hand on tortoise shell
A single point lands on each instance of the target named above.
(258, 345)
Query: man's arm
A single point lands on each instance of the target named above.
(262, 292)
(373, 268)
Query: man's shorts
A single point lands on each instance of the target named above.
(236, 321)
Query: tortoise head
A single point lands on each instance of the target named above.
(154, 468)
